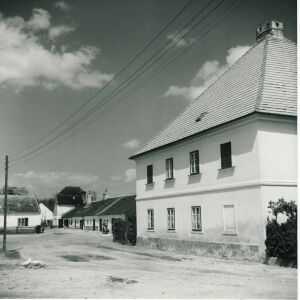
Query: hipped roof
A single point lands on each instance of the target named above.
(264, 80)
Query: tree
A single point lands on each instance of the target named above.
(14, 190)
(281, 238)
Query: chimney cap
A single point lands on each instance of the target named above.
(274, 28)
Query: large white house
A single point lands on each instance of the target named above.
(204, 182)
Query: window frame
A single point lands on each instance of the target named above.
(200, 218)
(225, 159)
(169, 168)
(150, 167)
(150, 217)
(194, 162)
(171, 220)
(23, 222)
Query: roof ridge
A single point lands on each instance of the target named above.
(262, 75)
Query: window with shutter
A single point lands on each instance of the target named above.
(194, 162)
(226, 157)
(169, 168)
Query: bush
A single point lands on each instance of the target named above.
(124, 231)
(281, 238)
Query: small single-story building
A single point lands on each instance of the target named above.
(99, 215)
(23, 213)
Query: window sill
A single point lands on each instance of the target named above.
(150, 183)
(230, 233)
(195, 174)
(169, 179)
(228, 168)
(197, 232)
(171, 231)
(150, 230)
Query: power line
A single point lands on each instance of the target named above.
(110, 81)
(121, 87)
(156, 71)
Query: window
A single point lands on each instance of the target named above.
(194, 162)
(150, 219)
(229, 219)
(196, 218)
(22, 221)
(169, 168)
(226, 161)
(171, 218)
(149, 174)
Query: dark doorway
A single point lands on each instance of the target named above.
(66, 223)
(60, 223)
(94, 224)
(100, 224)
(81, 224)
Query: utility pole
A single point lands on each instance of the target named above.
(5, 203)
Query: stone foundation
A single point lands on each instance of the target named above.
(210, 249)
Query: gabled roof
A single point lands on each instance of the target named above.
(112, 206)
(264, 80)
(20, 204)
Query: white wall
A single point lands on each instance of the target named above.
(34, 219)
(245, 160)
(46, 213)
(59, 211)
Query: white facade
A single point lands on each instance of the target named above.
(264, 169)
(46, 213)
(59, 210)
(34, 219)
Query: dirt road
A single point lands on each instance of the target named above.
(83, 264)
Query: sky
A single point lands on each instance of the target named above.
(56, 55)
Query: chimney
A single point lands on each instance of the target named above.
(274, 28)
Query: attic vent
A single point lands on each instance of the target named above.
(200, 117)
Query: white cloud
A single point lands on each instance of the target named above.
(55, 180)
(40, 20)
(24, 61)
(57, 31)
(63, 5)
(177, 37)
(132, 144)
(207, 74)
(130, 175)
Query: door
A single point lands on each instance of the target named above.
(66, 223)
(100, 224)
(60, 223)
(94, 224)
(81, 224)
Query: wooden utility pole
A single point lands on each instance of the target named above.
(5, 203)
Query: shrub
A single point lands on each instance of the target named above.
(281, 238)
(124, 231)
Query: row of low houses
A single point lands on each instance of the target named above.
(73, 209)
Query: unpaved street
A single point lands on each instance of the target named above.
(83, 264)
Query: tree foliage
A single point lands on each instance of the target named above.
(281, 238)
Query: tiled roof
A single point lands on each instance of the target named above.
(112, 206)
(264, 80)
(20, 204)
(125, 205)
